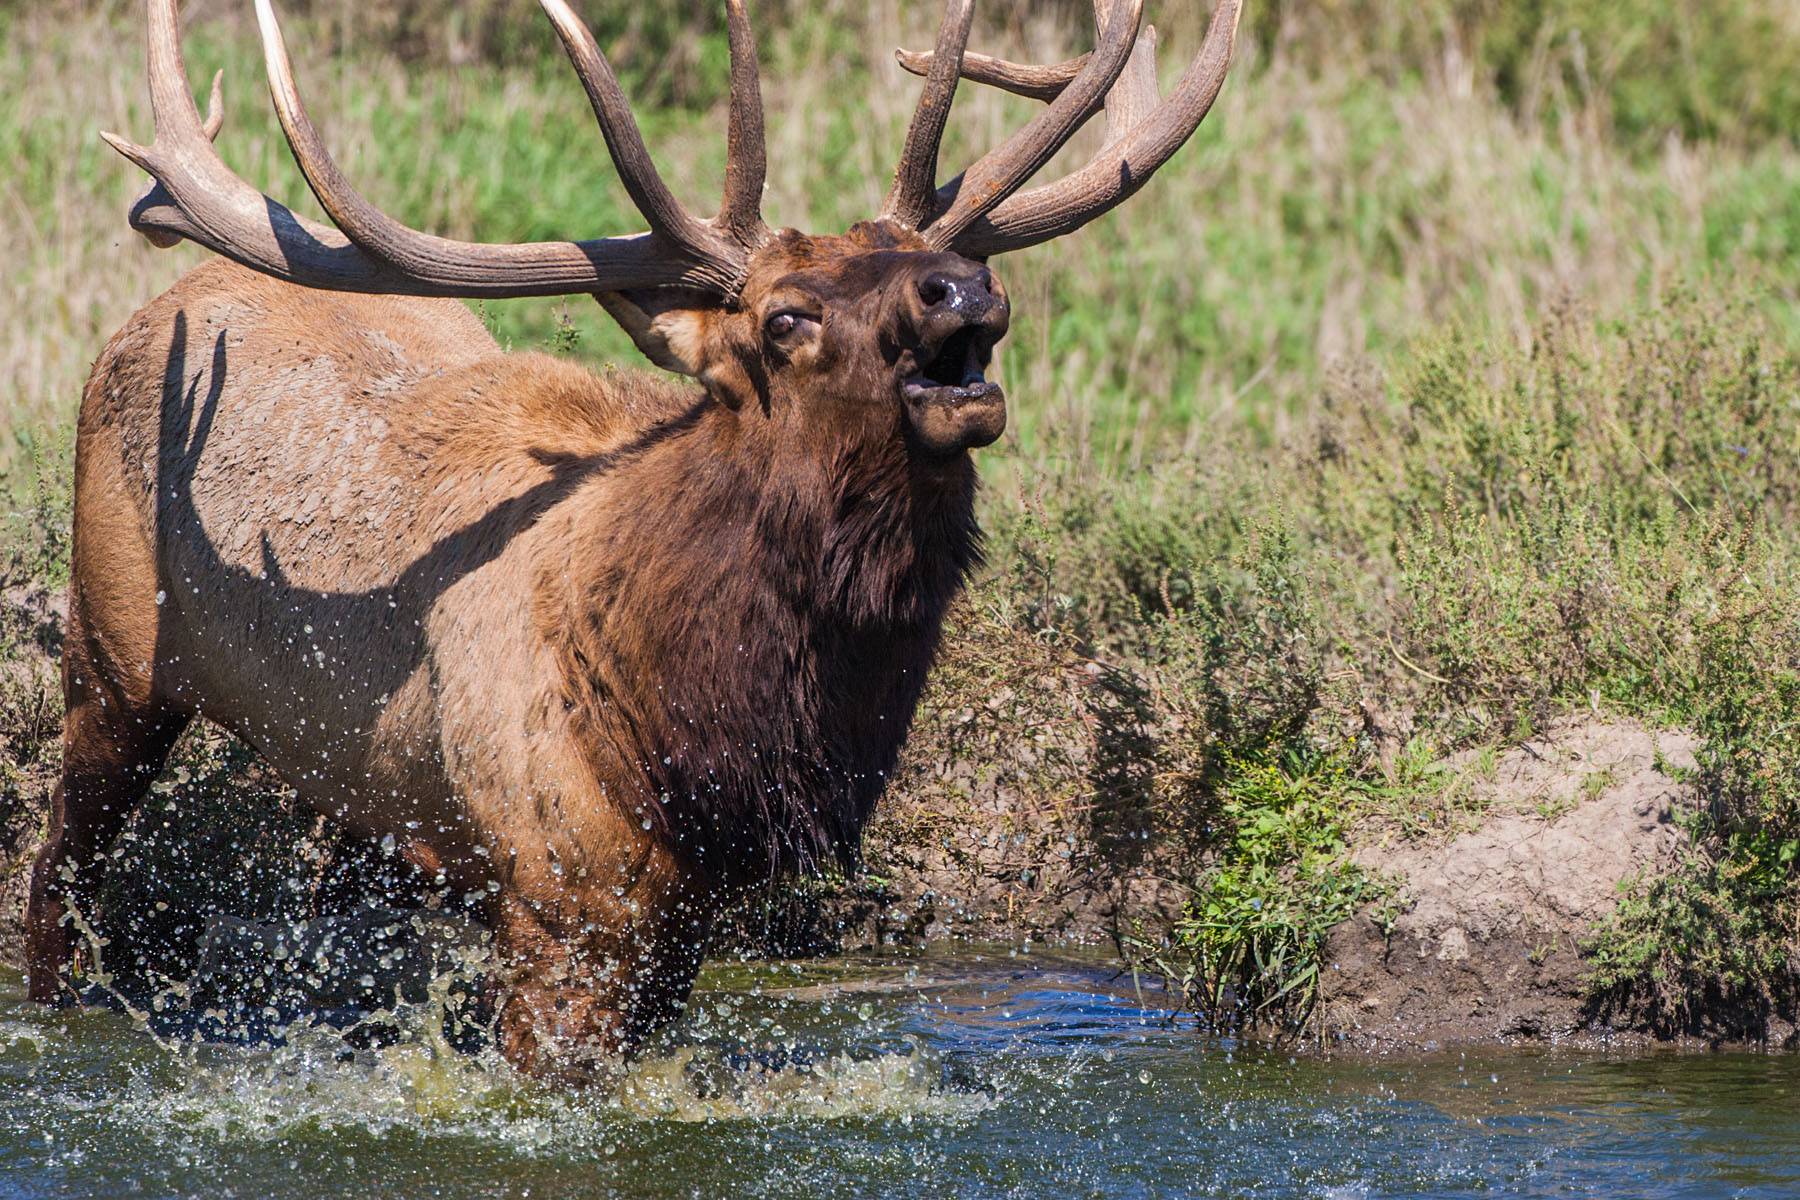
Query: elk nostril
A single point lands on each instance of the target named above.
(935, 290)
(984, 279)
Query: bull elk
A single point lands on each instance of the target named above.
(601, 649)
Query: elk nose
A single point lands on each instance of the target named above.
(968, 296)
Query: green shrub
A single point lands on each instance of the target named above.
(1246, 945)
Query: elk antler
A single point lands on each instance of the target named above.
(196, 196)
(1021, 79)
(1142, 132)
(913, 198)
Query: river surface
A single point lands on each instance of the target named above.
(956, 1074)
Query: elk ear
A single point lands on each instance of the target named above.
(671, 326)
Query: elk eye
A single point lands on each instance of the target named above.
(785, 324)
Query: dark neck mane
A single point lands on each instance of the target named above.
(755, 643)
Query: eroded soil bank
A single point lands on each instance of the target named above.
(1485, 939)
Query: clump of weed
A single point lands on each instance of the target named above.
(1246, 945)
(1713, 946)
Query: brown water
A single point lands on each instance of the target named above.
(969, 1073)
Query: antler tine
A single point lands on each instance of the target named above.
(746, 154)
(1044, 83)
(171, 103)
(193, 195)
(913, 197)
(669, 221)
(1004, 169)
(372, 230)
(172, 109)
(215, 108)
(1130, 99)
(1114, 175)
(1134, 96)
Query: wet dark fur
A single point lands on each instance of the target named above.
(792, 607)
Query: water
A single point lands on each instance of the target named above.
(963, 1074)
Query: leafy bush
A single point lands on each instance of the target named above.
(1247, 942)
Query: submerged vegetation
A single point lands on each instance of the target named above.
(1444, 389)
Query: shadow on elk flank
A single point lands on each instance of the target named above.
(327, 624)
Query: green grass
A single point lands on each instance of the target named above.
(1443, 386)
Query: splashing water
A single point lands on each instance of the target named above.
(965, 1074)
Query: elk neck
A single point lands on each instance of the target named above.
(755, 638)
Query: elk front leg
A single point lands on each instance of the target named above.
(589, 973)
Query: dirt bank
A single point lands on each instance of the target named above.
(1487, 942)
(1481, 941)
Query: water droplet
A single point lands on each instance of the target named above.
(646, 824)
(1143, 1075)
(161, 596)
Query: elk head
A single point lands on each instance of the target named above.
(893, 322)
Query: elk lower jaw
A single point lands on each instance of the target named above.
(950, 404)
(946, 419)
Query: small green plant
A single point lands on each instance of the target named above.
(1595, 783)
(566, 337)
(1245, 947)
(1548, 806)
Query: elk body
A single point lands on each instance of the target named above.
(598, 649)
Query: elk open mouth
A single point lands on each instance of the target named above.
(955, 373)
(950, 403)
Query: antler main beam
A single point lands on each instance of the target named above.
(197, 197)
